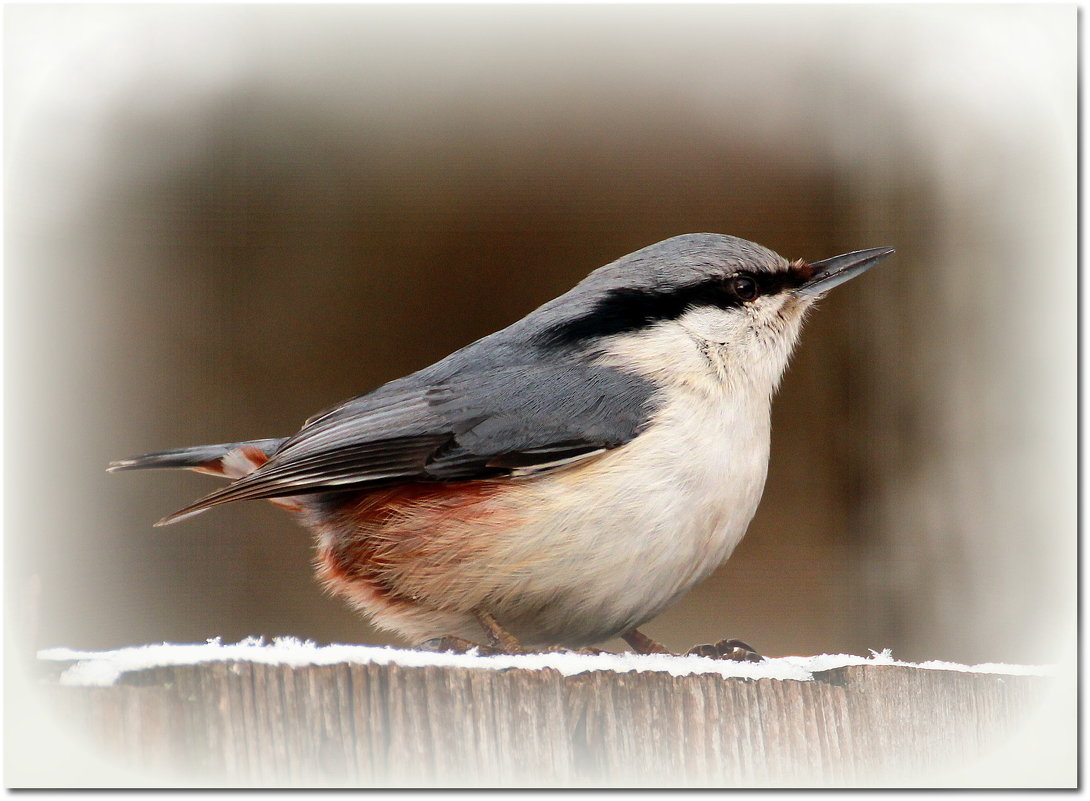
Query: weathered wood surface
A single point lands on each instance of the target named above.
(242, 723)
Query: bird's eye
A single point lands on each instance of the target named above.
(744, 287)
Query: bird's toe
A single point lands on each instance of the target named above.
(733, 650)
(736, 651)
(457, 645)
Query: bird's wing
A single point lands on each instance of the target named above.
(509, 421)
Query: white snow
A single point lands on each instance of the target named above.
(103, 668)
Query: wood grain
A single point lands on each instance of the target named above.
(246, 724)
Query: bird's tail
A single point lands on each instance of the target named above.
(229, 460)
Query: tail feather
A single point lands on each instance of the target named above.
(229, 460)
(203, 458)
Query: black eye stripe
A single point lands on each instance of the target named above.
(774, 283)
(624, 310)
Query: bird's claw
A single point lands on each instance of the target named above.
(500, 641)
(499, 637)
(560, 649)
(457, 645)
(732, 650)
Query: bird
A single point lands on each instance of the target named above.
(562, 481)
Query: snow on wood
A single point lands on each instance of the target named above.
(292, 713)
(102, 668)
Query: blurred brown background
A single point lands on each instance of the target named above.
(222, 219)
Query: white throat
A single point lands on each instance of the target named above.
(711, 351)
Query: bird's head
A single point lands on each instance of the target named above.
(697, 304)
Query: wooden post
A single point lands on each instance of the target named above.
(349, 724)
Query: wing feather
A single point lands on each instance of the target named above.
(512, 421)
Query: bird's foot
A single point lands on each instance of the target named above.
(499, 637)
(500, 640)
(734, 650)
(560, 649)
(642, 644)
(457, 645)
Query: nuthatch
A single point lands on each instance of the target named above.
(561, 481)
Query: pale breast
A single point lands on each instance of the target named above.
(616, 540)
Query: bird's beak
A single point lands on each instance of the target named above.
(835, 271)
